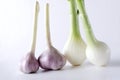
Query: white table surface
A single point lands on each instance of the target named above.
(16, 23)
(84, 72)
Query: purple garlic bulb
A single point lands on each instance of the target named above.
(51, 59)
(29, 64)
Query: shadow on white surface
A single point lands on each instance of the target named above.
(114, 63)
(86, 71)
(66, 68)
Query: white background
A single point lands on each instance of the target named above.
(16, 24)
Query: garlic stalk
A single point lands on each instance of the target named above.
(97, 52)
(74, 49)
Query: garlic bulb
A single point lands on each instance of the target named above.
(51, 59)
(29, 63)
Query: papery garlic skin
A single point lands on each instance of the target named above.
(29, 64)
(52, 59)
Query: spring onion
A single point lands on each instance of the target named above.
(97, 52)
(75, 47)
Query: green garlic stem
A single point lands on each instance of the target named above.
(87, 27)
(35, 28)
(75, 32)
(48, 27)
